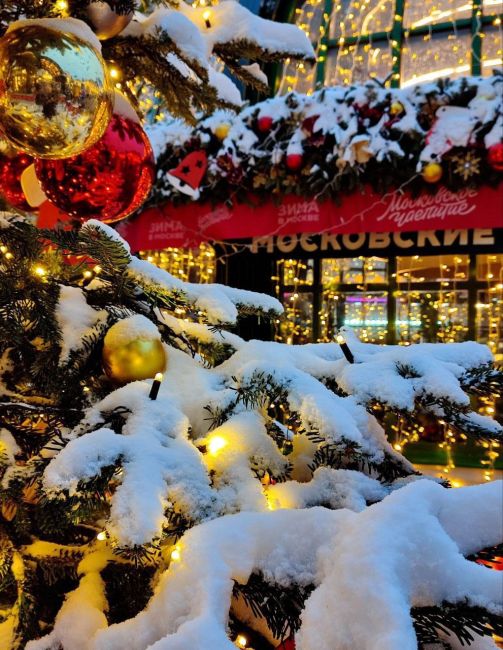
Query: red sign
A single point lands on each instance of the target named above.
(190, 224)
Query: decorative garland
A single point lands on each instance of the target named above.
(336, 141)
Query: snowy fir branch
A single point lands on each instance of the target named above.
(337, 140)
(257, 484)
(171, 47)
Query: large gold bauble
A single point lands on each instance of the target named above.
(56, 98)
(432, 172)
(135, 360)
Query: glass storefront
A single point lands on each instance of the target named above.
(409, 299)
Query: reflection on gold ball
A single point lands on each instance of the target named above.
(222, 130)
(55, 95)
(432, 172)
(135, 360)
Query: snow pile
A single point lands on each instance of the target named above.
(410, 546)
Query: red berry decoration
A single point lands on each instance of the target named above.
(495, 156)
(294, 161)
(265, 123)
(11, 168)
(108, 181)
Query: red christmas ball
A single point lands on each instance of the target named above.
(288, 644)
(11, 168)
(495, 156)
(294, 161)
(108, 181)
(265, 123)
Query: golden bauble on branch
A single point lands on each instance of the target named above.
(106, 22)
(55, 95)
(132, 350)
(432, 172)
(222, 130)
(396, 108)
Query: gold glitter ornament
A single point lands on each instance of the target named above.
(55, 94)
(222, 130)
(432, 172)
(132, 351)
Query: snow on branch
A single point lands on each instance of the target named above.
(220, 304)
(369, 569)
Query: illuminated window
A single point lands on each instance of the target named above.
(358, 63)
(432, 12)
(440, 55)
(187, 264)
(360, 17)
(430, 39)
(432, 268)
(410, 299)
(492, 51)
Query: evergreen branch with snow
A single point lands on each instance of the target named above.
(102, 485)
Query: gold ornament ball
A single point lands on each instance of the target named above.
(222, 130)
(106, 22)
(396, 109)
(55, 95)
(432, 172)
(135, 360)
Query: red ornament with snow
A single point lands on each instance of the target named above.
(108, 181)
(495, 156)
(294, 161)
(187, 177)
(265, 123)
(11, 169)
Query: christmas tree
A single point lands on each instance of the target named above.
(167, 484)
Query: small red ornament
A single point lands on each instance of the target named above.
(495, 156)
(108, 181)
(190, 172)
(11, 168)
(288, 644)
(294, 161)
(265, 123)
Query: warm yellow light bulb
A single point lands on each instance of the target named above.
(241, 641)
(8, 255)
(62, 5)
(216, 444)
(340, 339)
(101, 536)
(158, 376)
(176, 555)
(3, 249)
(88, 274)
(207, 14)
(40, 271)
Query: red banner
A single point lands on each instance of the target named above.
(188, 225)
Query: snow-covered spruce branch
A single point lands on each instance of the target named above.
(263, 395)
(369, 569)
(173, 47)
